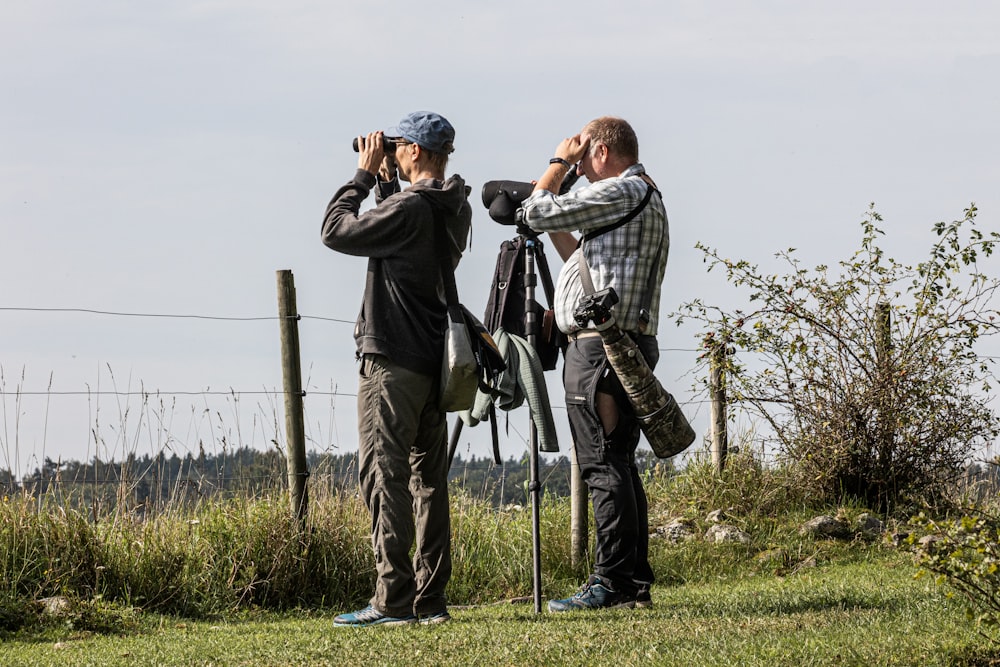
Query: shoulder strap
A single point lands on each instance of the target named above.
(628, 218)
(587, 280)
(585, 277)
(444, 260)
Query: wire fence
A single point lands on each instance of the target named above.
(154, 419)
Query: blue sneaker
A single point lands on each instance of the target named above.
(433, 619)
(370, 616)
(593, 595)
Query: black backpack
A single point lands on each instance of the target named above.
(506, 306)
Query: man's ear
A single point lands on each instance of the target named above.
(600, 152)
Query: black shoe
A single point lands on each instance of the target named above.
(435, 618)
(593, 595)
(643, 600)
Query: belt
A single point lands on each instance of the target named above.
(584, 333)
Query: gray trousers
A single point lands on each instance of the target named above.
(403, 470)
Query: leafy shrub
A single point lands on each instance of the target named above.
(868, 381)
(16, 613)
(965, 553)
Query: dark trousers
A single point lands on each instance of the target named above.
(403, 468)
(607, 464)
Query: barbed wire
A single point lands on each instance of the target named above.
(300, 316)
(327, 319)
(236, 394)
(158, 392)
(92, 311)
(149, 393)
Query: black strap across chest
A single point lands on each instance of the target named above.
(628, 218)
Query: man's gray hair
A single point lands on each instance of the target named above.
(616, 134)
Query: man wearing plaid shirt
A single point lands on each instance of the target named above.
(631, 258)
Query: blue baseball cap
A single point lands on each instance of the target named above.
(427, 129)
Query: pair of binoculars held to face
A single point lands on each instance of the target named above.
(388, 145)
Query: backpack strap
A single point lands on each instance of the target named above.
(447, 270)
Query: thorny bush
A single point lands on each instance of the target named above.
(869, 380)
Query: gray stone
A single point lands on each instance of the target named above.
(716, 516)
(720, 532)
(56, 605)
(826, 527)
(678, 530)
(928, 540)
(869, 525)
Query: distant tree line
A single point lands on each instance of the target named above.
(146, 482)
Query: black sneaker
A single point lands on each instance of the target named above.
(435, 618)
(593, 595)
(643, 600)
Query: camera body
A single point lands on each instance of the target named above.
(596, 307)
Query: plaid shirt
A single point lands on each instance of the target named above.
(621, 258)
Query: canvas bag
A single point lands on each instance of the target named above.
(471, 359)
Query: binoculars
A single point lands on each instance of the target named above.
(388, 145)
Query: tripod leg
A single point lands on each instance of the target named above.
(453, 444)
(534, 485)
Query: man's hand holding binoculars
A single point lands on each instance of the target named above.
(372, 156)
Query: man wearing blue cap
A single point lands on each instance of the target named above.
(402, 441)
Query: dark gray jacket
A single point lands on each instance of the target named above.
(403, 310)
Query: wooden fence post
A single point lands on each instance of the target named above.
(717, 394)
(883, 362)
(883, 332)
(291, 366)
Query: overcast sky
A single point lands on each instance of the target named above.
(169, 158)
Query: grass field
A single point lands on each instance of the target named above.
(236, 582)
(871, 612)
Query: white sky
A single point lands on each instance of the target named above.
(170, 157)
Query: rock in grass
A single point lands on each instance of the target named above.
(56, 605)
(826, 527)
(678, 530)
(870, 526)
(722, 533)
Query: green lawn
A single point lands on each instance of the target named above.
(868, 613)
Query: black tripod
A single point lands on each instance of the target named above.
(503, 199)
(534, 254)
(535, 264)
